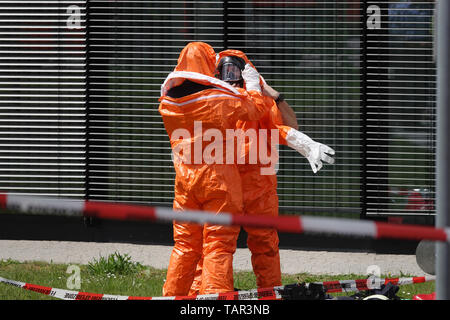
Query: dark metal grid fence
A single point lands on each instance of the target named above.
(365, 89)
(43, 97)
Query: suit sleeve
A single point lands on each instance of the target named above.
(250, 106)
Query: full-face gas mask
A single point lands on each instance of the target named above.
(230, 70)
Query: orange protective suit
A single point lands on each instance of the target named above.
(213, 187)
(260, 197)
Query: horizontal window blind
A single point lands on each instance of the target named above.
(80, 82)
(42, 97)
(311, 52)
(401, 108)
(133, 46)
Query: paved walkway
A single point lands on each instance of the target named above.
(292, 261)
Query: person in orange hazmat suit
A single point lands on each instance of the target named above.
(259, 190)
(192, 103)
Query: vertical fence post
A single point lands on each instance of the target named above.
(442, 13)
(87, 184)
(374, 94)
(363, 109)
(225, 24)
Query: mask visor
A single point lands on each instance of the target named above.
(230, 73)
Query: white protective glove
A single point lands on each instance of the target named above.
(251, 78)
(314, 151)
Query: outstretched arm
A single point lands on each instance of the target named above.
(287, 113)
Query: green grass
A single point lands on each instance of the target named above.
(114, 264)
(118, 275)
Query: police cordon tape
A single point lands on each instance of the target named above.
(275, 293)
(293, 224)
(285, 223)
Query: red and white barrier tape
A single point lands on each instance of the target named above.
(370, 283)
(294, 224)
(274, 293)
